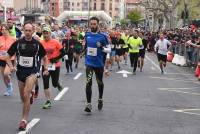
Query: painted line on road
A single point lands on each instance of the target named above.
(30, 126)
(153, 63)
(178, 74)
(188, 111)
(77, 76)
(178, 88)
(175, 79)
(125, 75)
(60, 95)
(183, 92)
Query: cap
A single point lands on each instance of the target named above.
(46, 29)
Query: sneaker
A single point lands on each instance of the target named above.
(32, 96)
(162, 72)
(100, 104)
(22, 125)
(88, 108)
(134, 73)
(60, 88)
(119, 67)
(47, 105)
(7, 94)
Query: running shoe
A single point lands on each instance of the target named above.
(88, 108)
(47, 105)
(100, 104)
(22, 125)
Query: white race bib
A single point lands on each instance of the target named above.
(3, 53)
(66, 57)
(26, 61)
(118, 47)
(112, 46)
(92, 51)
(51, 67)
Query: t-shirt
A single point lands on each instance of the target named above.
(5, 44)
(28, 53)
(135, 44)
(69, 45)
(94, 54)
(162, 46)
(52, 48)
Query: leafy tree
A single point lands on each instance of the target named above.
(135, 16)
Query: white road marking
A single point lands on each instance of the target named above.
(178, 74)
(60, 95)
(178, 88)
(153, 63)
(175, 79)
(125, 75)
(183, 92)
(30, 126)
(188, 111)
(77, 76)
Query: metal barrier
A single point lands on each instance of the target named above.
(191, 54)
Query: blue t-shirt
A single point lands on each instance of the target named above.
(94, 54)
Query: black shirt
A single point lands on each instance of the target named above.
(27, 49)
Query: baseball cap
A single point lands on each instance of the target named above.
(46, 29)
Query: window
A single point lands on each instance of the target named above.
(95, 6)
(110, 6)
(72, 3)
(102, 6)
(78, 4)
(116, 0)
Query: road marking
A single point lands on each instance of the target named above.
(77, 76)
(175, 79)
(183, 92)
(60, 95)
(179, 73)
(124, 73)
(30, 125)
(153, 63)
(177, 88)
(187, 111)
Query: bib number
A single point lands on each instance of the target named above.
(92, 51)
(51, 67)
(26, 61)
(3, 53)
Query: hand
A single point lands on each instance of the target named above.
(46, 72)
(13, 69)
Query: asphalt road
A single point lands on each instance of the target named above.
(145, 103)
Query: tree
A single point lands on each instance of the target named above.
(124, 22)
(135, 16)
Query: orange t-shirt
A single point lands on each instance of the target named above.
(5, 44)
(52, 48)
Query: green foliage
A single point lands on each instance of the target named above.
(135, 16)
(124, 22)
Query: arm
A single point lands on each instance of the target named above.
(62, 53)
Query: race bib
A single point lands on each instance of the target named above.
(66, 57)
(51, 67)
(112, 46)
(26, 61)
(118, 47)
(92, 51)
(3, 53)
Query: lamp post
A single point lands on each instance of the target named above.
(170, 18)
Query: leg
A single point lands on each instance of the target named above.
(89, 74)
(135, 61)
(67, 65)
(55, 79)
(29, 83)
(131, 59)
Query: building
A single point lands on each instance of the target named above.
(133, 4)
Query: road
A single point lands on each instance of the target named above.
(145, 103)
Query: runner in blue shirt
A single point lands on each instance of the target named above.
(95, 46)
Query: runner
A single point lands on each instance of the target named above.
(134, 44)
(142, 52)
(161, 47)
(54, 52)
(28, 51)
(94, 61)
(5, 42)
(68, 44)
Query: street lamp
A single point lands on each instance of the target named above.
(170, 19)
(89, 2)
